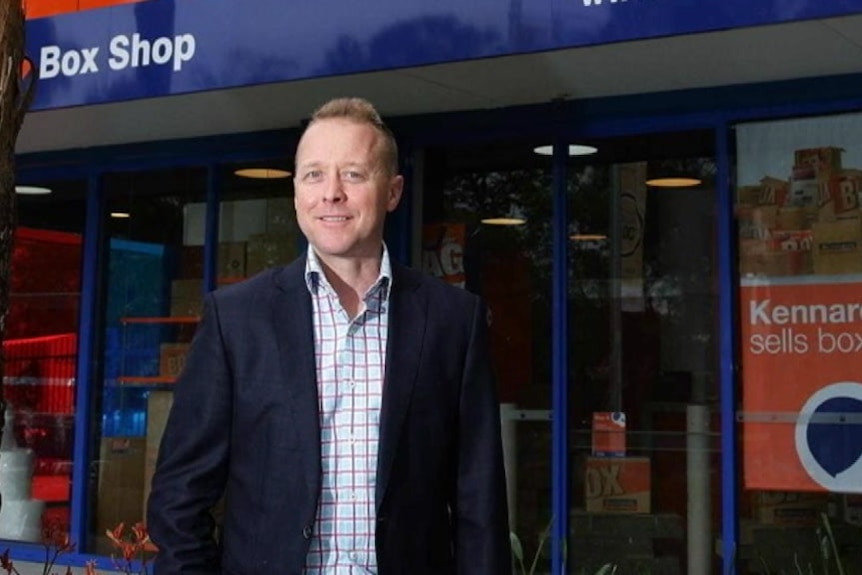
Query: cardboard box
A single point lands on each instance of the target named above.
(791, 240)
(269, 250)
(121, 482)
(785, 253)
(789, 507)
(825, 160)
(837, 247)
(845, 190)
(852, 508)
(186, 297)
(281, 216)
(617, 484)
(158, 408)
(792, 218)
(191, 264)
(773, 191)
(756, 222)
(172, 358)
(842, 196)
(231, 260)
(748, 195)
(777, 263)
(806, 192)
(609, 433)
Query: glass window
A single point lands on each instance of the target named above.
(151, 298)
(642, 385)
(40, 349)
(800, 265)
(258, 228)
(486, 227)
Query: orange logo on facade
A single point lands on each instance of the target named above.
(43, 8)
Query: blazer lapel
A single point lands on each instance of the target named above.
(407, 315)
(294, 332)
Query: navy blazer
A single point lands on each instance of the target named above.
(245, 425)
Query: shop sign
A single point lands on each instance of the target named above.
(122, 52)
(167, 47)
(801, 384)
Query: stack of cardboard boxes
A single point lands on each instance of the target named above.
(614, 482)
(126, 464)
(275, 245)
(807, 224)
(617, 525)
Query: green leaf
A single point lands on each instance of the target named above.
(517, 549)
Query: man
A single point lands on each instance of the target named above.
(344, 405)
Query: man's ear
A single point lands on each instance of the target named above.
(396, 188)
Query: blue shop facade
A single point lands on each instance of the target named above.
(660, 203)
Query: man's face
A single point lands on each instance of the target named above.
(343, 190)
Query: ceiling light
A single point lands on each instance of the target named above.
(673, 182)
(574, 150)
(32, 190)
(504, 221)
(120, 215)
(262, 173)
(588, 237)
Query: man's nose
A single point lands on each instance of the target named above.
(334, 190)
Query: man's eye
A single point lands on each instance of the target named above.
(312, 175)
(353, 176)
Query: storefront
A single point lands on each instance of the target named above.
(708, 323)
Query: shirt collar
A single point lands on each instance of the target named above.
(314, 276)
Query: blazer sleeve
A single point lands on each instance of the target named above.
(191, 470)
(482, 544)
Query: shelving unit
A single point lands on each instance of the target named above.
(166, 371)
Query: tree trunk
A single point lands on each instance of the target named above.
(15, 97)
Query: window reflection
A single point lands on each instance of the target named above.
(151, 296)
(40, 349)
(487, 228)
(643, 390)
(800, 266)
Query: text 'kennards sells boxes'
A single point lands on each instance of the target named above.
(617, 484)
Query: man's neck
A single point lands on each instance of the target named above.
(351, 278)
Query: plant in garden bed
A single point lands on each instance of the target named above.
(518, 552)
(131, 546)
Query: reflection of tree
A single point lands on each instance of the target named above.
(408, 43)
(523, 193)
(676, 272)
(471, 196)
(677, 266)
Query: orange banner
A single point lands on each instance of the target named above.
(43, 8)
(801, 384)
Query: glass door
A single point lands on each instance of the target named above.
(642, 356)
(486, 227)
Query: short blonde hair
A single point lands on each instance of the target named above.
(363, 112)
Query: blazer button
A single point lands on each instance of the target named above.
(307, 531)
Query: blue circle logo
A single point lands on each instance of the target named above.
(829, 437)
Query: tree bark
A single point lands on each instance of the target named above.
(16, 93)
